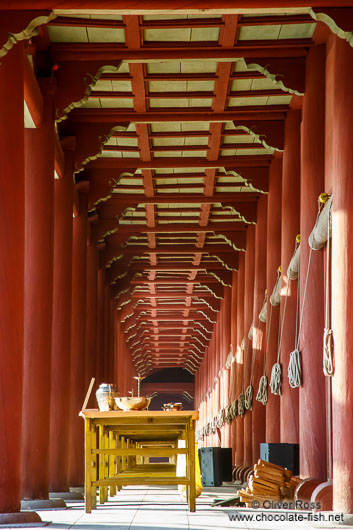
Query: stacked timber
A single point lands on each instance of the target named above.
(269, 482)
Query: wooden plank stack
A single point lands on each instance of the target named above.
(269, 483)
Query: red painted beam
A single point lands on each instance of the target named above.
(231, 162)
(32, 94)
(193, 6)
(62, 52)
(120, 116)
(167, 388)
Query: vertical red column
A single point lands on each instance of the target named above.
(259, 411)
(248, 319)
(239, 442)
(100, 323)
(233, 369)
(290, 229)
(12, 230)
(92, 302)
(339, 162)
(39, 197)
(107, 374)
(78, 337)
(227, 315)
(61, 330)
(312, 420)
(273, 261)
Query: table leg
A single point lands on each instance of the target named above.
(88, 465)
(112, 462)
(94, 467)
(191, 467)
(101, 463)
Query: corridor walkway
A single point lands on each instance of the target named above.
(140, 508)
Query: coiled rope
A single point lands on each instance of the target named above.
(248, 397)
(262, 395)
(241, 405)
(276, 373)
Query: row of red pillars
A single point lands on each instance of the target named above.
(317, 157)
(56, 311)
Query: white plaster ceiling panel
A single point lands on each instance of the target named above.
(195, 126)
(121, 86)
(163, 67)
(241, 152)
(241, 84)
(164, 17)
(169, 103)
(131, 182)
(132, 142)
(200, 86)
(106, 35)
(297, 31)
(204, 34)
(167, 35)
(196, 141)
(204, 102)
(263, 84)
(158, 142)
(160, 182)
(259, 32)
(167, 86)
(228, 189)
(247, 102)
(165, 127)
(111, 154)
(187, 154)
(67, 34)
(246, 139)
(202, 66)
(103, 85)
(112, 103)
(130, 154)
(167, 154)
(279, 100)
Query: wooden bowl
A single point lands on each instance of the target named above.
(132, 403)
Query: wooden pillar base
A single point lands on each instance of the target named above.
(305, 489)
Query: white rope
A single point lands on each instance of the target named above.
(241, 405)
(261, 395)
(276, 379)
(328, 352)
(294, 369)
(328, 347)
(276, 373)
(248, 397)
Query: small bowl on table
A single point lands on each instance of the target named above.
(132, 403)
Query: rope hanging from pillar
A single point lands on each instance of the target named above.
(276, 373)
(241, 397)
(321, 235)
(249, 390)
(262, 394)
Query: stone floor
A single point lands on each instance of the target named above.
(149, 508)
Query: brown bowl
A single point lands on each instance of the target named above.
(132, 403)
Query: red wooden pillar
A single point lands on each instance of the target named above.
(107, 374)
(239, 442)
(248, 319)
(259, 411)
(12, 233)
(100, 324)
(78, 337)
(312, 407)
(290, 229)
(61, 330)
(273, 261)
(39, 202)
(233, 369)
(91, 313)
(339, 162)
(227, 315)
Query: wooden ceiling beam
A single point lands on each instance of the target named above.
(123, 116)
(105, 52)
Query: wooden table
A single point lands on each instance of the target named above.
(114, 439)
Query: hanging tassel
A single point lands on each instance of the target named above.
(276, 379)
(241, 405)
(261, 395)
(328, 352)
(248, 397)
(294, 369)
